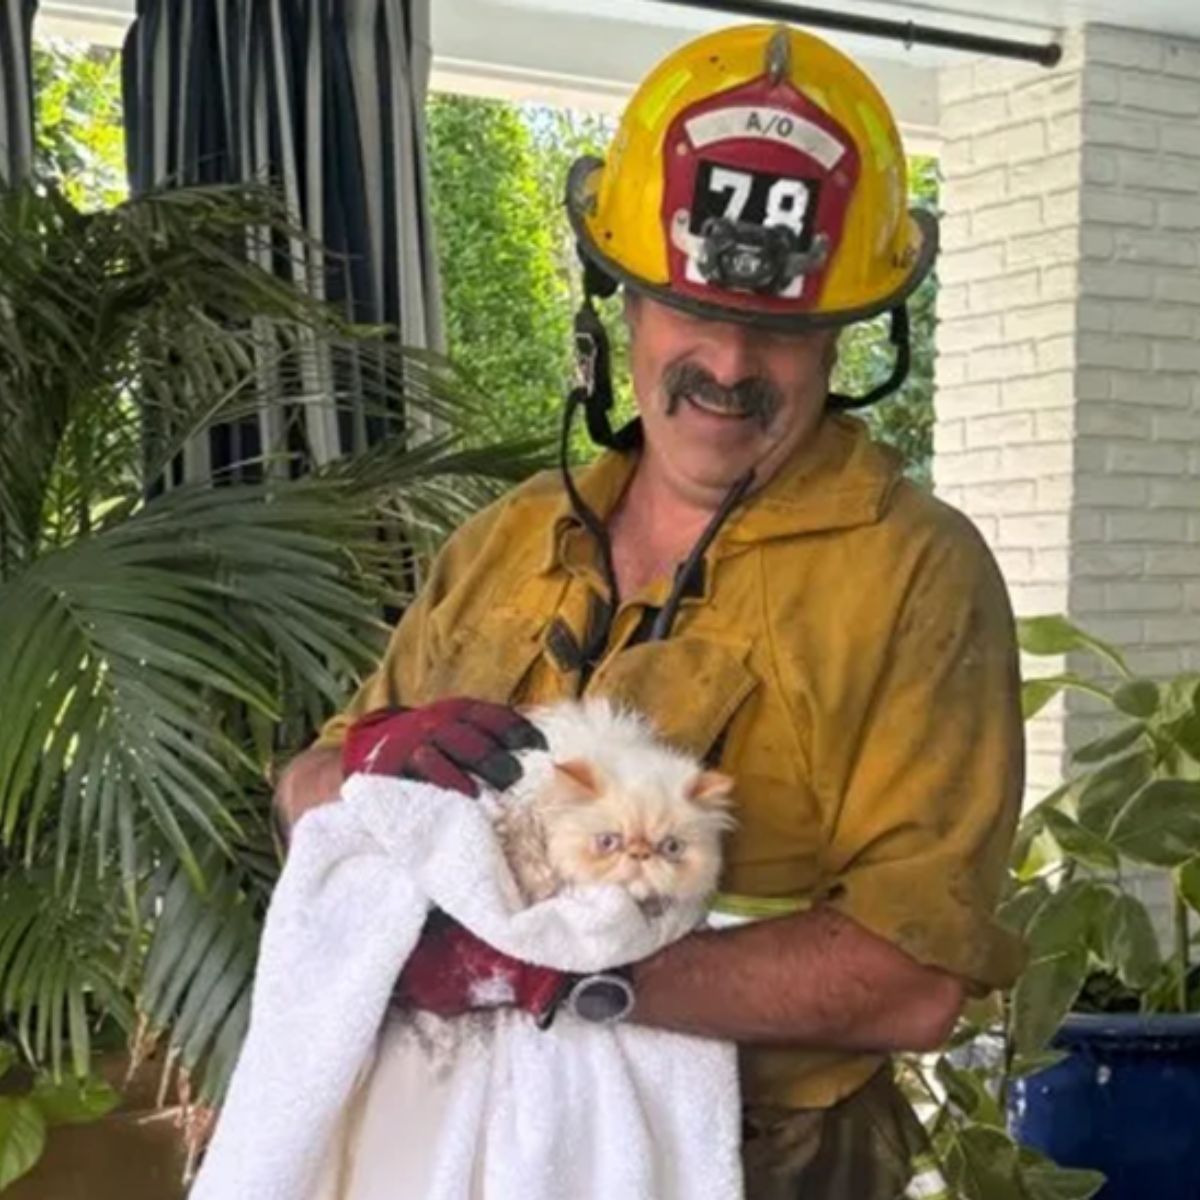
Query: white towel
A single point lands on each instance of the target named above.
(328, 1100)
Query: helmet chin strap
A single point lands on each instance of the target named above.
(593, 358)
(593, 361)
(899, 337)
(593, 393)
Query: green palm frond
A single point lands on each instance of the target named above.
(126, 332)
(63, 956)
(196, 983)
(115, 648)
(163, 648)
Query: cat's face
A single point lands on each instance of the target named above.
(659, 839)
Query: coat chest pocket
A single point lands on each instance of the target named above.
(690, 688)
(485, 660)
(703, 696)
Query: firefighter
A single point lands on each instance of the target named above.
(745, 566)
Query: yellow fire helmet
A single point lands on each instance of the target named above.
(757, 175)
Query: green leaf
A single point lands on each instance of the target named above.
(224, 1055)
(968, 1091)
(200, 965)
(1161, 824)
(1110, 744)
(983, 1164)
(1163, 995)
(1037, 693)
(1079, 842)
(1180, 696)
(1101, 795)
(1044, 995)
(1130, 944)
(1037, 855)
(1031, 1064)
(73, 1101)
(1137, 698)
(1031, 828)
(1185, 733)
(1046, 1180)
(8, 1058)
(1017, 911)
(1069, 918)
(56, 949)
(1052, 635)
(1187, 880)
(22, 1138)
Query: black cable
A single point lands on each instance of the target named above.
(580, 506)
(663, 623)
(594, 395)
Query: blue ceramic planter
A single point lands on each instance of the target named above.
(1126, 1102)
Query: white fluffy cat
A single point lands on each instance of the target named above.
(609, 802)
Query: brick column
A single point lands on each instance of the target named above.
(1069, 346)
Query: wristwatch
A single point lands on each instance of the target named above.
(604, 998)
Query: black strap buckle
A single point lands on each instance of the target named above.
(586, 352)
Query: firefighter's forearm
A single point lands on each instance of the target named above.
(311, 779)
(816, 979)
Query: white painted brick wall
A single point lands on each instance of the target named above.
(1146, 128)
(1069, 342)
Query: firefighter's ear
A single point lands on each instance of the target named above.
(831, 351)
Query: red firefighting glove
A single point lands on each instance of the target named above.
(444, 743)
(451, 971)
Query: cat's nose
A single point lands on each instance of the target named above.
(638, 849)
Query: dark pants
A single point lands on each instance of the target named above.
(860, 1149)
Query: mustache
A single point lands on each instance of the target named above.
(754, 396)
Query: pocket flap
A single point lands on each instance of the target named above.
(688, 687)
(487, 661)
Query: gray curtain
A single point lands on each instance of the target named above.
(326, 99)
(16, 89)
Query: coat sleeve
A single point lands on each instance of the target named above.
(933, 782)
(397, 678)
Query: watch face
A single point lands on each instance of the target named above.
(602, 999)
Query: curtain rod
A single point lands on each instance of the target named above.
(908, 32)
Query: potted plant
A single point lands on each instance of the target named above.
(1118, 1018)
(1084, 1079)
(162, 648)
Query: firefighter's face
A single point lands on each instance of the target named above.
(719, 398)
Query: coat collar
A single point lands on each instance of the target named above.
(838, 480)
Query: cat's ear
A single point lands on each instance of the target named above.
(711, 789)
(579, 779)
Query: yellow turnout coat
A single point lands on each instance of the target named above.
(848, 657)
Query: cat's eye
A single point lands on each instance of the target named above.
(671, 848)
(608, 843)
